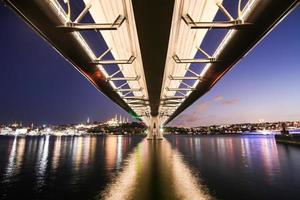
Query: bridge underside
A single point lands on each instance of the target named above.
(148, 47)
(153, 20)
(259, 17)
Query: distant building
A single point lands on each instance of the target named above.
(116, 121)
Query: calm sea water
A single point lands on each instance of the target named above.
(124, 167)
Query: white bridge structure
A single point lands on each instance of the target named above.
(148, 55)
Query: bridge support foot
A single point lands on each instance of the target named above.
(154, 132)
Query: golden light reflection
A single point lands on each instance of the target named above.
(86, 150)
(77, 153)
(155, 163)
(56, 154)
(93, 144)
(110, 152)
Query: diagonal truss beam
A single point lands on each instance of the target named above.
(111, 62)
(77, 26)
(73, 26)
(232, 23)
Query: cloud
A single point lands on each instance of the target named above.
(220, 99)
(230, 102)
(202, 107)
(197, 113)
(193, 117)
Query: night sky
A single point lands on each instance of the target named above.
(38, 85)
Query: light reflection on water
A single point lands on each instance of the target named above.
(15, 157)
(251, 167)
(50, 167)
(121, 167)
(155, 171)
(42, 161)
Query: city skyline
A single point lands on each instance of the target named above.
(39, 86)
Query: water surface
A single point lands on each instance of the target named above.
(131, 167)
(243, 167)
(50, 167)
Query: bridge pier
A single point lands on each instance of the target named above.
(154, 132)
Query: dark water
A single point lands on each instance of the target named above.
(118, 167)
(243, 167)
(60, 167)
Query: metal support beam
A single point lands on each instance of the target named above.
(112, 62)
(74, 26)
(154, 128)
(170, 106)
(189, 70)
(129, 90)
(137, 106)
(180, 89)
(193, 60)
(138, 103)
(184, 77)
(170, 103)
(136, 98)
(126, 94)
(119, 71)
(185, 61)
(122, 85)
(167, 98)
(208, 59)
(124, 78)
(224, 11)
(230, 24)
(187, 85)
(182, 93)
(177, 101)
(84, 12)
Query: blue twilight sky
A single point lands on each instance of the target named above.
(264, 85)
(38, 85)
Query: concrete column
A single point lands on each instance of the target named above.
(154, 129)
